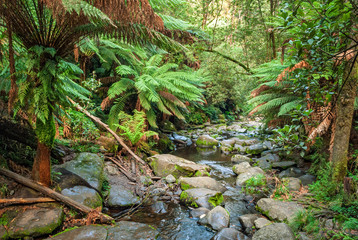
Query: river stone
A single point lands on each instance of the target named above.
(170, 179)
(293, 184)
(229, 234)
(84, 195)
(90, 232)
(241, 168)
(251, 172)
(246, 142)
(247, 221)
(159, 207)
(240, 158)
(119, 196)
(89, 166)
(291, 172)
(284, 164)
(199, 197)
(240, 149)
(261, 222)
(125, 230)
(198, 212)
(205, 141)
(270, 158)
(275, 231)
(228, 142)
(307, 179)
(256, 149)
(218, 218)
(201, 182)
(165, 164)
(278, 210)
(35, 222)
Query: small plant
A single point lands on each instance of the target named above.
(282, 192)
(3, 190)
(255, 185)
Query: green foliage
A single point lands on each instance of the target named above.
(216, 200)
(256, 184)
(132, 128)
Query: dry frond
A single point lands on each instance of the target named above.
(345, 56)
(302, 64)
(106, 103)
(172, 98)
(255, 109)
(259, 90)
(76, 52)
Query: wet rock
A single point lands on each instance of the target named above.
(199, 197)
(241, 168)
(275, 231)
(145, 180)
(84, 195)
(264, 164)
(256, 149)
(246, 142)
(170, 179)
(218, 218)
(261, 222)
(293, 184)
(167, 126)
(251, 172)
(89, 166)
(125, 230)
(228, 142)
(291, 172)
(165, 164)
(157, 191)
(120, 196)
(307, 179)
(198, 212)
(205, 141)
(229, 234)
(270, 157)
(34, 222)
(247, 221)
(240, 158)
(159, 207)
(201, 182)
(283, 165)
(278, 210)
(91, 232)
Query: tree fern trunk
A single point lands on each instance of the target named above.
(41, 170)
(341, 135)
(13, 90)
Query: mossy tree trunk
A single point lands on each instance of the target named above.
(344, 116)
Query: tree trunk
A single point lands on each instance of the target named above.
(41, 170)
(345, 109)
(13, 90)
(272, 33)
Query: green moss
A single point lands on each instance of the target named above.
(4, 220)
(216, 200)
(46, 132)
(179, 171)
(184, 197)
(200, 174)
(185, 186)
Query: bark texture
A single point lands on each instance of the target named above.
(41, 170)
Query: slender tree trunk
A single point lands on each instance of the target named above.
(41, 170)
(13, 90)
(345, 109)
(272, 33)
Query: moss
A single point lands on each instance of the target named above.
(46, 132)
(185, 186)
(179, 171)
(184, 197)
(216, 200)
(200, 174)
(203, 143)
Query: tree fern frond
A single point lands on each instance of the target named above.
(284, 109)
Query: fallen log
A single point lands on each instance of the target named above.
(53, 194)
(98, 121)
(16, 201)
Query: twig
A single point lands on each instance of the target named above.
(15, 201)
(122, 169)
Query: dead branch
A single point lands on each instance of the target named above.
(122, 169)
(16, 201)
(98, 121)
(51, 193)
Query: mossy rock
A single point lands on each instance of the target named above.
(205, 141)
(201, 197)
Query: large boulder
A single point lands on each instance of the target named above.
(34, 222)
(276, 231)
(165, 164)
(278, 210)
(205, 141)
(241, 168)
(120, 196)
(125, 230)
(89, 166)
(229, 234)
(293, 184)
(251, 172)
(240, 158)
(256, 149)
(201, 197)
(261, 222)
(218, 218)
(84, 195)
(283, 164)
(201, 182)
(90, 232)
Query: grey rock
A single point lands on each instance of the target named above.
(264, 164)
(241, 168)
(261, 222)
(240, 158)
(283, 165)
(218, 218)
(90, 232)
(293, 184)
(307, 179)
(157, 191)
(303, 236)
(229, 234)
(275, 231)
(256, 149)
(247, 221)
(291, 172)
(198, 212)
(279, 210)
(84, 195)
(199, 196)
(145, 180)
(201, 182)
(170, 179)
(165, 164)
(159, 207)
(120, 196)
(252, 172)
(228, 142)
(125, 230)
(270, 158)
(205, 141)
(35, 222)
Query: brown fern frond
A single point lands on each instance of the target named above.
(170, 97)
(106, 103)
(76, 52)
(302, 64)
(255, 109)
(259, 90)
(109, 80)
